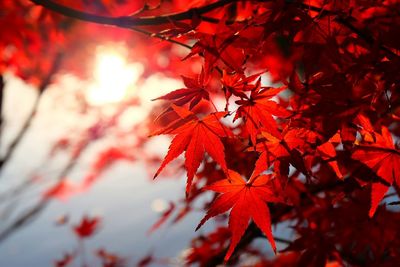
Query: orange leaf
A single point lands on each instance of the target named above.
(196, 137)
(247, 201)
(257, 112)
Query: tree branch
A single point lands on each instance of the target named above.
(30, 213)
(161, 37)
(129, 21)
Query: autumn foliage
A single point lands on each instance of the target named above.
(288, 115)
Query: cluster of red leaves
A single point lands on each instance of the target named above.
(308, 142)
(290, 112)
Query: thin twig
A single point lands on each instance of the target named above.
(161, 37)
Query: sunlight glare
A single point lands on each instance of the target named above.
(113, 77)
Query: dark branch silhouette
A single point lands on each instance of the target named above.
(129, 21)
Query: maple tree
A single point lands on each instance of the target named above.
(290, 113)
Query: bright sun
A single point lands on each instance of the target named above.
(113, 76)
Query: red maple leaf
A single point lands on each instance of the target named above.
(195, 136)
(237, 83)
(216, 48)
(384, 159)
(196, 90)
(86, 227)
(247, 201)
(257, 111)
(272, 148)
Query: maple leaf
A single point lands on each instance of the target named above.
(195, 136)
(216, 48)
(237, 83)
(86, 227)
(272, 148)
(258, 109)
(196, 90)
(247, 201)
(384, 159)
